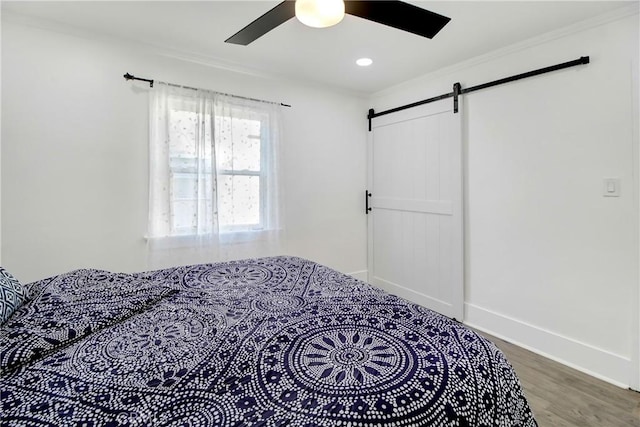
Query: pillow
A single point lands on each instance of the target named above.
(70, 307)
(12, 294)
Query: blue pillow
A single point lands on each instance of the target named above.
(12, 294)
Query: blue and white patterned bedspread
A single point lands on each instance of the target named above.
(266, 342)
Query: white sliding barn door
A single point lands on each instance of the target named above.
(415, 226)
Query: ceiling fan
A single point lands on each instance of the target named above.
(325, 13)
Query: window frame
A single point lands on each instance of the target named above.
(257, 115)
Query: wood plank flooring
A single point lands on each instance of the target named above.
(563, 397)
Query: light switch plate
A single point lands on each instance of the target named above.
(611, 187)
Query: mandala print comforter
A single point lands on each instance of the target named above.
(266, 342)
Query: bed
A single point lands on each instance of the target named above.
(278, 341)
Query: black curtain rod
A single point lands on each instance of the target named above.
(128, 76)
(132, 77)
(457, 90)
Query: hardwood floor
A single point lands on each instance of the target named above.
(563, 397)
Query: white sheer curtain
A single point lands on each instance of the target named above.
(236, 120)
(182, 163)
(214, 190)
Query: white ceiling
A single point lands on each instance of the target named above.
(326, 56)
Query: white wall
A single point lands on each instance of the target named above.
(75, 167)
(550, 263)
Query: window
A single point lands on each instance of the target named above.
(189, 173)
(241, 179)
(221, 175)
(240, 173)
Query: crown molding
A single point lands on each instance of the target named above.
(180, 55)
(578, 27)
(132, 45)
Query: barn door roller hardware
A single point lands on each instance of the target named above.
(458, 90)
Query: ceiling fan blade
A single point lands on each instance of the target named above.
(267, 22)
(398, 14)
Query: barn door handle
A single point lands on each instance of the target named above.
(367, 209)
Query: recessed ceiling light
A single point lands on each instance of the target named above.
(364, 62)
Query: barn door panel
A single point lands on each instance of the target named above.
(415, 225)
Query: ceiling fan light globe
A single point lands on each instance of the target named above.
(320, 13)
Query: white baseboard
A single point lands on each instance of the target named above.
(591, 360)
(360, 275)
